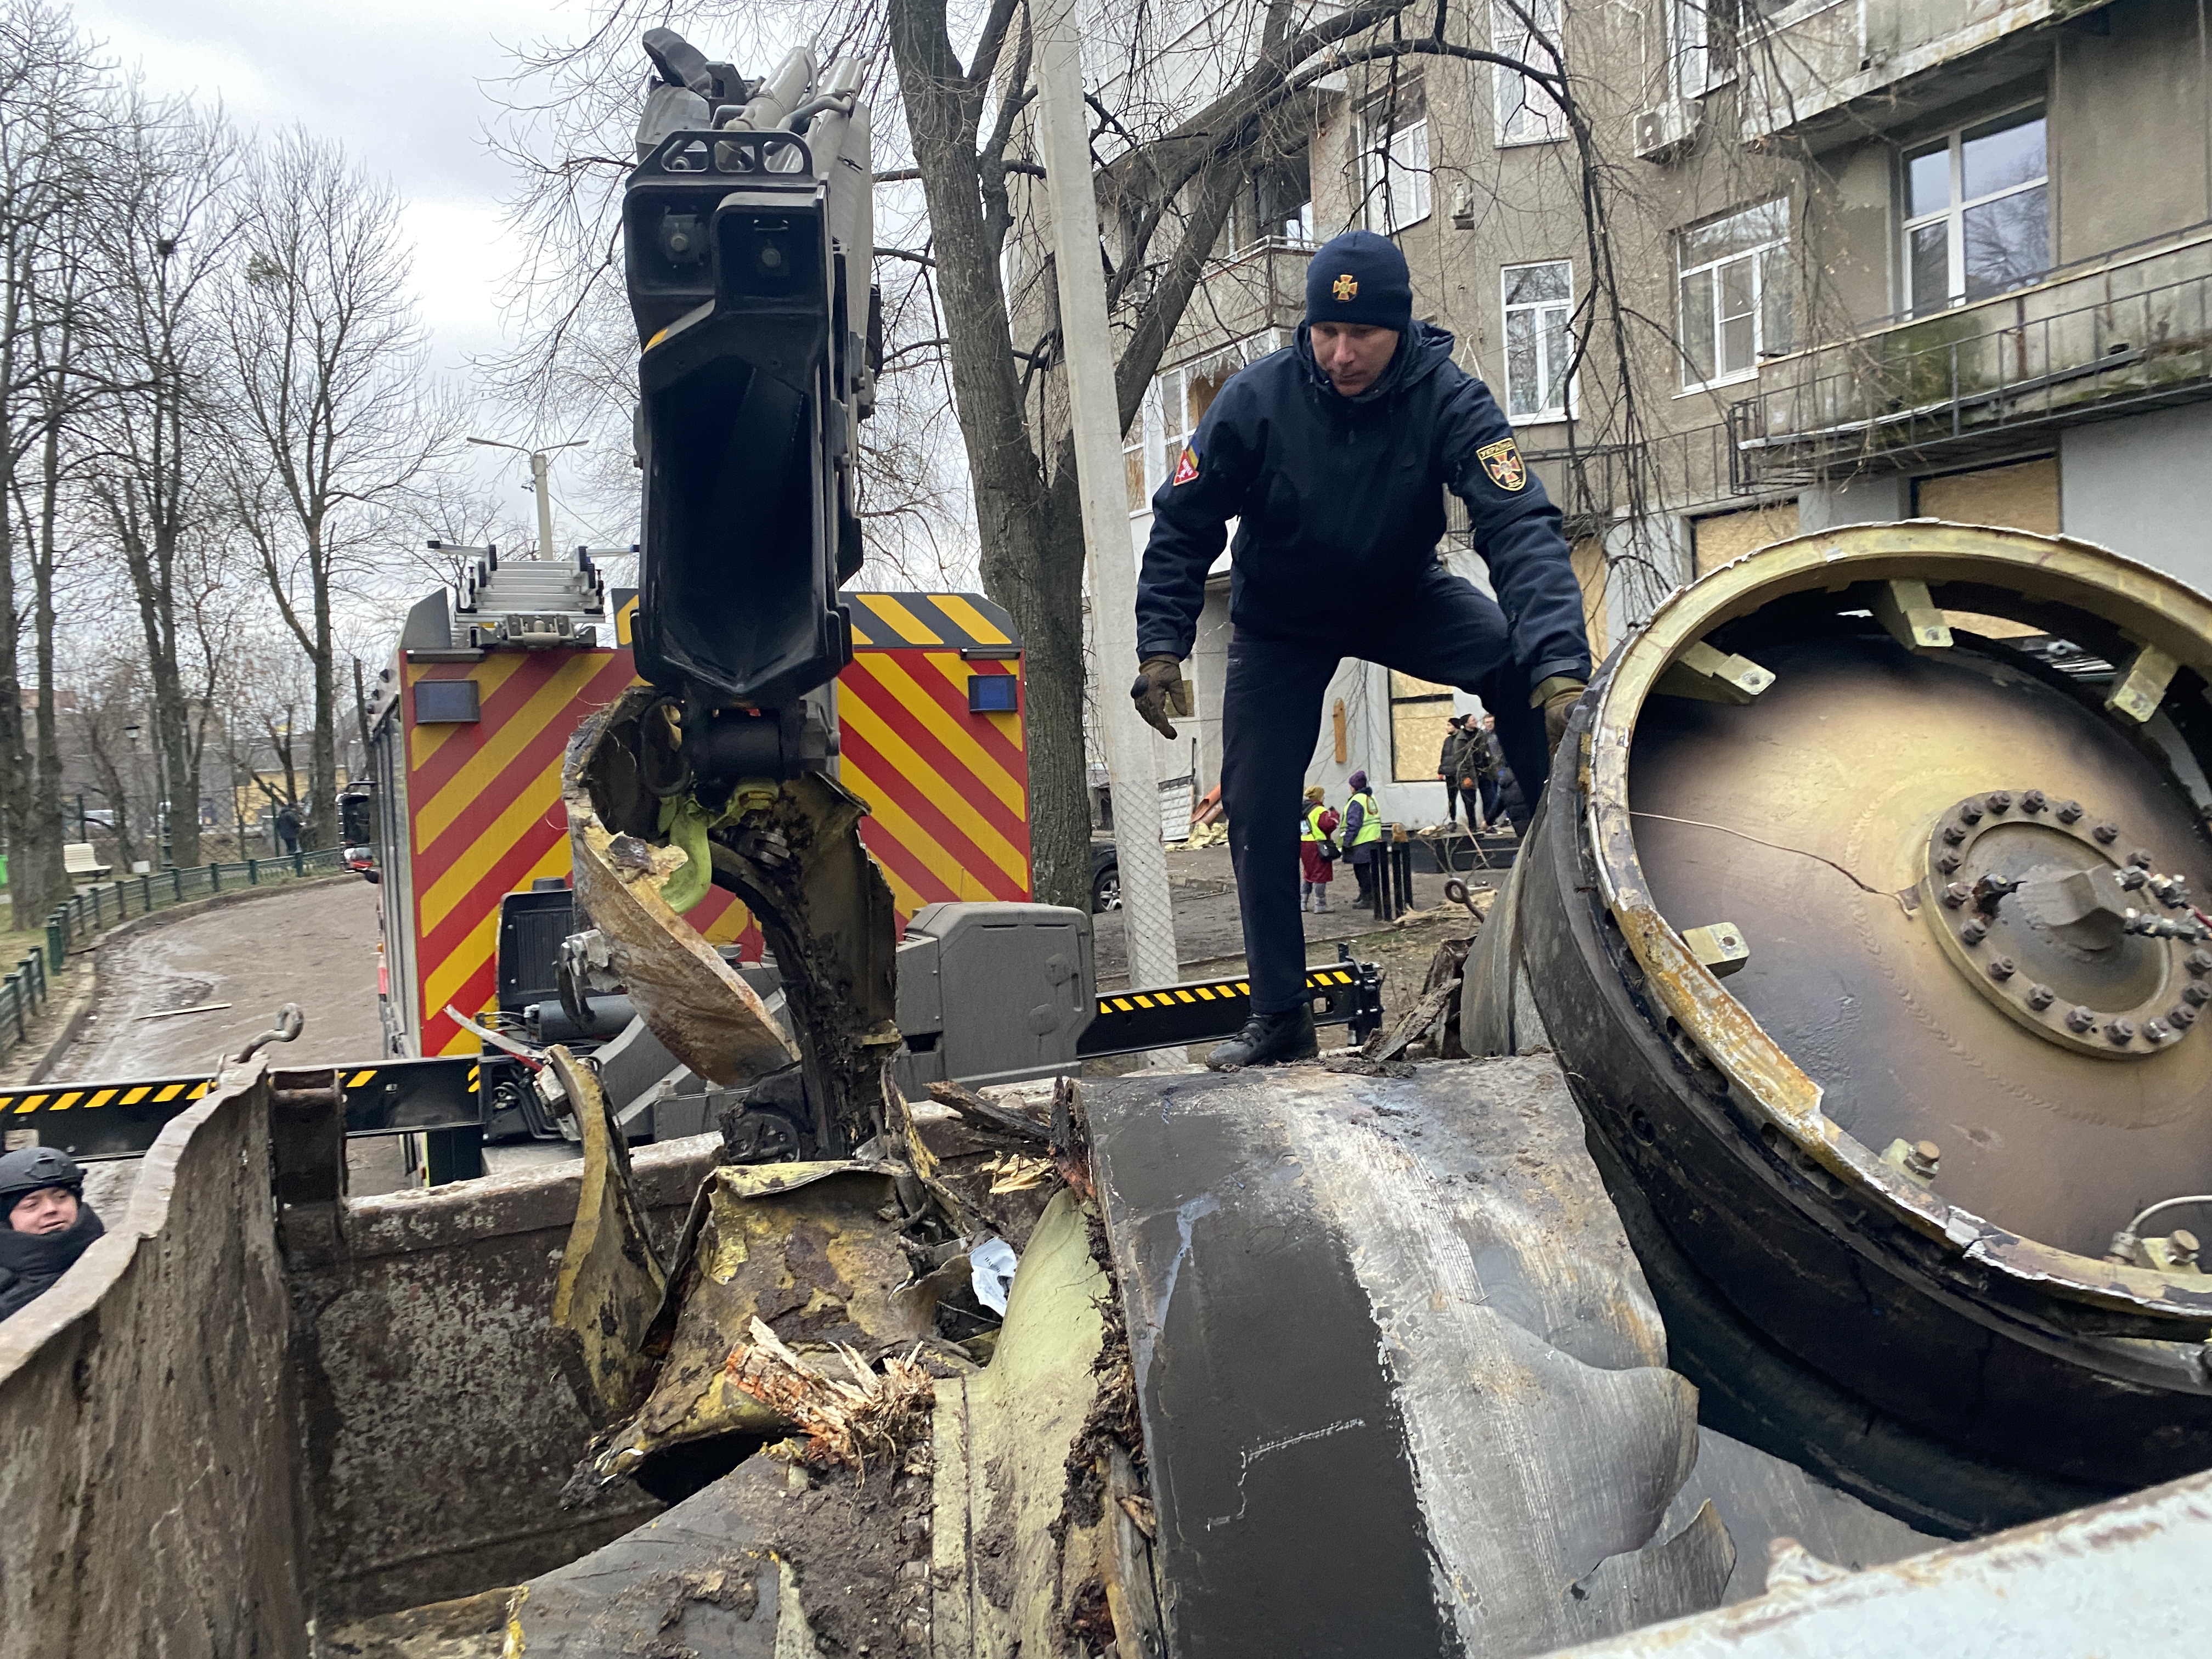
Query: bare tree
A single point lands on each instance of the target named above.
(109, 689)
(331, 417)
(268, 738)
(458, 511)
(49, 90)
(169, 229)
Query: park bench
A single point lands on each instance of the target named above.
(81, 863)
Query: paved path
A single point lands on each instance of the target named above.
(313, 944)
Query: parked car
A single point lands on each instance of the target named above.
(1105, 876)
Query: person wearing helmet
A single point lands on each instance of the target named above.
(48, 1225)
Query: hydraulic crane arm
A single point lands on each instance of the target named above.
(748, 236)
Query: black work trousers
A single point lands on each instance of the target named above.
(1454, 796)
(1447, 632)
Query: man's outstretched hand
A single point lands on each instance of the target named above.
(1160, 691)
(1558, 695)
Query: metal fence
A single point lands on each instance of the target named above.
(2137, 334)
(79, 919)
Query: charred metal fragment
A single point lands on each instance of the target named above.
(793, 852)
(611, 1282)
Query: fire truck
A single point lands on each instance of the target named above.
(467, 728)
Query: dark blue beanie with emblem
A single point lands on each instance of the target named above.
(1360, 277)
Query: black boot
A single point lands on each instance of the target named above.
(1269, 1039)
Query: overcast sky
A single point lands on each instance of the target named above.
(400, 82)
(409, 87)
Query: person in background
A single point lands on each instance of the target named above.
(287, 829)
(1482, 759)
(1363, 833)
(48, 1224)
(1450, 767)
(1505, 794)
(1316, 852)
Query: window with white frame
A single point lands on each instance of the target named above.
(1976, 211)
(1538, 300)
(1734, 277)
(1528, 31)
(1697, 47)
(1393, 154)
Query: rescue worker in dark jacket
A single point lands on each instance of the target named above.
(1333, 455)
(1455, 768)
(48, 1223)
(1362, 834)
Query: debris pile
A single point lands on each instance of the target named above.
(812, 1307)
(1429, 1030)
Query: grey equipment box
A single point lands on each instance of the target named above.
(993, 994)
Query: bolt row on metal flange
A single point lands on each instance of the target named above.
(2135, 875)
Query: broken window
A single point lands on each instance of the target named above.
(1173, 408)
(1421, 715)
(1274, 207)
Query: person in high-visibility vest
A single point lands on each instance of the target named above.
(1333, 458)
(1363, 833)
(1316, 852)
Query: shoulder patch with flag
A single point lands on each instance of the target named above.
(1502, 461)
(1186, 467)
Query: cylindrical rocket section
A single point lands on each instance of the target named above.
(1861, 910)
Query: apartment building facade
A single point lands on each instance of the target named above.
(1786, 266)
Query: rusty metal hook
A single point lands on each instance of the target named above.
(291, 1021)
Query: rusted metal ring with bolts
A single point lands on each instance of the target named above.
(1955, 911)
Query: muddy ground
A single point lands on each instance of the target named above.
(314, 944)
(1209, 938)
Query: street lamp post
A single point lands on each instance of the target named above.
(541, 461)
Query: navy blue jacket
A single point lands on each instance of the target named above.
(1339, 503)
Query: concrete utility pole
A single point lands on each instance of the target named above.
(541, 463)
(1147, 915)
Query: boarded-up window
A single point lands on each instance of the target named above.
(1589, 564)
(2021, 496)
(1420, 714)
(1723, 536)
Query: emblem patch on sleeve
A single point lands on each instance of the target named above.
(1502, 461)
(1187, 466)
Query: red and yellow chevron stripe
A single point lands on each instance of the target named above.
(947, 790)
(947, 787)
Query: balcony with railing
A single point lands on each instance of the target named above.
(1849, 66)
(2128, 330)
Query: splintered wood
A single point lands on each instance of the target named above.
(875, 1415)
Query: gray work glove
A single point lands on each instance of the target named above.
(1159, 691)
